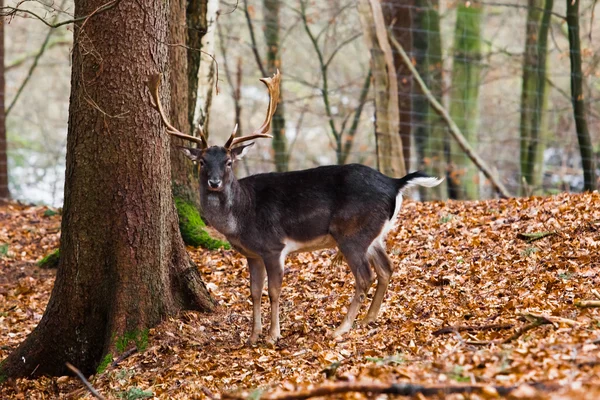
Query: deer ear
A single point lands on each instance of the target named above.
(191, 153)
(239, 152)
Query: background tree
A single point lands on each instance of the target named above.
(387, 118)
(533, 92)
(123, 266)
(430, 136)
(577, 98)
(464, 95)
(4, 192)
(183, 88)
(271, 29)
(398, 17)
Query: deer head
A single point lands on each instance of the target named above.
(216, 162)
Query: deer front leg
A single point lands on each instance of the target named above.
(257, 281)
(274, 266)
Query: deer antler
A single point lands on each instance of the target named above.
(273, 88)
(153, 85)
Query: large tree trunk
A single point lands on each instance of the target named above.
(533, 93)
(185, 184)
(430, 135)
(4, 193)
(398, 16)
(271, 10)
(464, 97)
(577, 98)
(387, 119)
(123, 267)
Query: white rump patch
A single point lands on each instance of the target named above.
(387, 227)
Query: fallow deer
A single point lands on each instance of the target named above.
(268, 216)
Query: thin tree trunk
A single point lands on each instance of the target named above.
(271, 10)
(430, 137)
(533, 93)
(185, 184)
(387, 120)
(205, 73)
(398, 16)
(464, 97)
(4, 192)
(123, 267)
(577, 98)
(197, 26)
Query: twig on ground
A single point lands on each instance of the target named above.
(532, 237)
(587, 303)
(535, 321)
(87, 384)
(122, 357)
(553, 319)
(465, 328)
(402, 389)
(596, 293)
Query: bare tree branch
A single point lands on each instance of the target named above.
(33, 66)
(253, 40)
(87, 384)
(13, 11)
(324, 88)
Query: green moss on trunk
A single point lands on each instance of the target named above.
(50, 260)
(192, 227)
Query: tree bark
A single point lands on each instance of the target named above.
(184, 182)
(533, 93)
(464, 97)
(271, 10)
(398, 16)
(430, 137)
(4, 192)
(577, 98)
(387, 119)
(123, 267)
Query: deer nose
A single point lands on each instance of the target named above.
(214, 183)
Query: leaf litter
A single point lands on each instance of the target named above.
(468, 281)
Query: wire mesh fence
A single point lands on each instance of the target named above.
(501, 69)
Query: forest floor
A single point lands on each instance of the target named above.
(473, 301)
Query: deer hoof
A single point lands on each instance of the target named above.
(272, 339)
(253, 339)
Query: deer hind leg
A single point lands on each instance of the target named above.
(363, 276)
(257, 282)
(383, 268)
(274, 266)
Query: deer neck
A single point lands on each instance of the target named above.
(222, 209)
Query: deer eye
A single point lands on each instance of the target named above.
(201, 162)
(229, 163)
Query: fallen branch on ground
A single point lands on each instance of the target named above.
(402, 389)
(465, 328)
(587, 303)
(535, 321)
(532, 237)
(87, 384)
